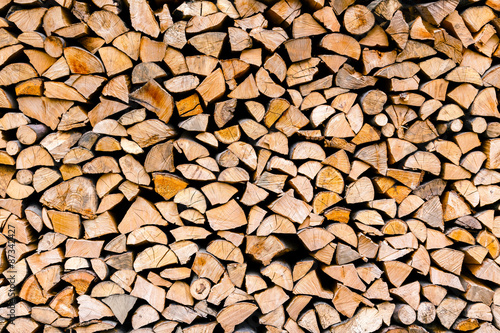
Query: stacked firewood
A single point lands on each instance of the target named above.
(249, 166)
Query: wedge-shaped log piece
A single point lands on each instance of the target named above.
(449, 259)
(100, 165)
(449, 310)
(348, 78)
(133, 170)
(464, 75)
(195, 172)
(401, 70)
(271, 298)
(160, 158)
(415, 50)
(81, 61)
(302, 71)
(59, 90)
(154, 257)
(294, 209)
(152, 294)
(424, 161)
(213, 87)
(15, 73)
(104, 224)
(140, 213)
(142, 18)
(226, 217)
(435, 67)
(121, 305)
(346, 274)
(154, 98)
(207, 266)
(104, 109)
(235, 314)
(245, 153)
(150, 132)
(284, 12)
(83, 248)
(77, 195)
(209, 43)
(274, 245)
(65, 223)
(436, 12)
(6, 100)
(347, 301)
(90, 308)
(305, 25)
(420, 132)
(431, 212)
(307, 150)
(341, 44)
(271, 39)
(375, 155)
(106, 25)
(491, 76)
(397, 272)
(27, 19)
(9, 52)
(33, 156)
(114, 60)
(225, 250)
(315, 238)
(330, 179)
(267, 86)
(360, 191)
(246, 89)
(398, 29)
(276, 224)
(485, 104)
(366, 320)
(46, 110)
(442, 278)
(478, 16)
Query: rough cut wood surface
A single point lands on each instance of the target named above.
(249, 166)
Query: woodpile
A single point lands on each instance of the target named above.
(249, 166)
